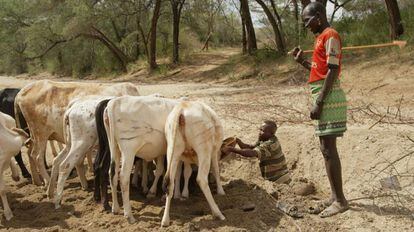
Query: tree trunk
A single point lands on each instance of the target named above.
(119, 54)
(244, 39)
(296, 13)
(153, 36)
(276, 30)
(396, 29)
(304, 3)
(176, 6)
(251, 36)
(323, 2)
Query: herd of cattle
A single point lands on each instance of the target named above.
(122, 126)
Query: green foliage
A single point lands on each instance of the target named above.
(82, 37)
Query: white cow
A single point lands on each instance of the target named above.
(11, 141)
(135, 126)
(43, 104)
(80, 138)
(194, 135)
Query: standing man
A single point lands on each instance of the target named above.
(329, 101)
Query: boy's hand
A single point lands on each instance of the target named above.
(226, 150)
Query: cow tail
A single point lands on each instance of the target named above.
(102, 136)
(17, 114)
(178, 123)
(108, 118)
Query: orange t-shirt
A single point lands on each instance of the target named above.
(327, 53)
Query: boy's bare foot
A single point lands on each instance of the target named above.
(335, 208)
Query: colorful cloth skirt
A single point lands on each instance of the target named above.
(333, 118)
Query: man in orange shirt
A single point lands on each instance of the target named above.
(329, 108)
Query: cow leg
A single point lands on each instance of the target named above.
(216, 173)
(40, 159)
(76, 153)
(55, 171)
(60, 145)
(14, 170)
(33, 151)
(187, 174)
(80, 168)
(90, 162)
(105, 181)
(25, 172)
(204, 162)
(7, 211)
(97, 178)
(113, 179)
(144, 177)
(53, 148)
(172, 163)
(177, 188)
(137, 166)
(158, 173)
(127, 162)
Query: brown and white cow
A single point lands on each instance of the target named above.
(11, 141)
(43, 104)
(194, 135)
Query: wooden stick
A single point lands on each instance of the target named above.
(399, 43)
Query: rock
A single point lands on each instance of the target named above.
(304, 189)
(249, 206)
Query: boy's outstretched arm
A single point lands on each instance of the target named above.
(247, 152)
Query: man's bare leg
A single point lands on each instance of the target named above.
(334, 171)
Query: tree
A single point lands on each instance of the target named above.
(396, 27)
(251, 36)
(177, 6)
(276, 24)
(337, 5)
(153, 36)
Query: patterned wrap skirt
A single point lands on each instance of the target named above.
(333, 118)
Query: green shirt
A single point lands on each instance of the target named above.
(272, 160)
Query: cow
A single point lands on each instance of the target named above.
(43, 104)
(194, 135)
(135, 127)
(102, 162)
(7, 97)
(11, 141)
(80, 138)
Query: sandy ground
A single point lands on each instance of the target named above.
(380, 127)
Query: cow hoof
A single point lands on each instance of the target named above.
(131, 219)
(16, 178)
(106, 207)
(221, 217)
(165, 223)
(27, 175)
(177, 196)
(145, 191)
(115, 210)
(221, 192)
(150, 195)
(183, 198)
(8, 216)
(57, 206)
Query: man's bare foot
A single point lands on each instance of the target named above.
(335, 208)
(319, 206)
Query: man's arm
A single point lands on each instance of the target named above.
(298, 56)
